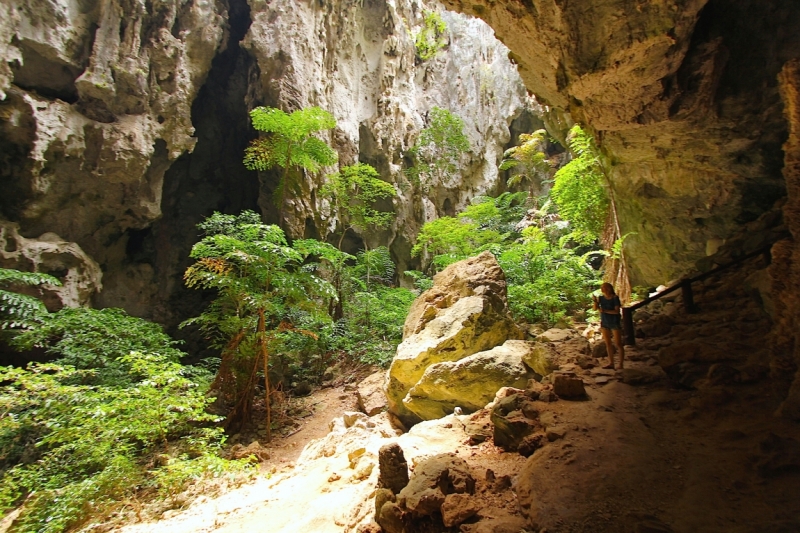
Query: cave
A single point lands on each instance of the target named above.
(210, 178)
(124, 126)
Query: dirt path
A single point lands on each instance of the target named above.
(639, 455)
(654, 458)
(646, 458)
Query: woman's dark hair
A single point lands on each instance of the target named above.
(610, 286)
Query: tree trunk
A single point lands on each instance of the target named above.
(282, 186)
(262, 349)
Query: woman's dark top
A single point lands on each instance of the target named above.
(609, 321)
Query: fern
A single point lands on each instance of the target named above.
(579, 189)
(20, 311)
(527, 159)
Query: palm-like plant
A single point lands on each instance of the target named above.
(258, 281)
(528, 159)
(290, 143)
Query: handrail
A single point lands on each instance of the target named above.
(686, 287)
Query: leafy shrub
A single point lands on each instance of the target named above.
(422, 282)
(97, 339)
(20, 311)
(579, 189)
(74, 449)
(432, 37)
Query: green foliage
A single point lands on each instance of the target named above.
(74, 449)
(579, 189)
(485, 223)
(252, 267)
(260, 287)
(353, 192)
(422, 282)
(451, 239)
(439, 149)
(527, 159)
(372, 311)
(20, 311)
(616, 248)
(432, 38)
(546, 282)
(501, 214)
(374, 323)
(290, 142)
(97, 339)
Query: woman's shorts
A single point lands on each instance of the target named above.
(610, 321)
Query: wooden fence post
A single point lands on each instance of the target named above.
(627, 327)
(688, 297)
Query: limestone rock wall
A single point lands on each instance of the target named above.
(123, 121)
(96, 98)
(683, 98)
(357, 60)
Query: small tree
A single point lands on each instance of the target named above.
(290, 143)
(579, 189)
(353, 192)
(432, 37)
(527, 159)
(258, 281)
(439, 149)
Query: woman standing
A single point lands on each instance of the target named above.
(610, 322)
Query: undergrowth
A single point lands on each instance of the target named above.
(114, 416)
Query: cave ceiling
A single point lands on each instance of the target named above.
(683, 99)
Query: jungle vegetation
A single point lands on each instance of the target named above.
(115, 415)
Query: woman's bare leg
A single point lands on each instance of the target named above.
(618, 342)
(609, 347)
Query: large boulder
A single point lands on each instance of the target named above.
(465, 312)
(472, 382)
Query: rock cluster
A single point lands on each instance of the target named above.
(439, 491)
(455, 353)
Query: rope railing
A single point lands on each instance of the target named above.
(685, 285)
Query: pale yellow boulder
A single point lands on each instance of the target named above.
(469, 383)
(465, 312)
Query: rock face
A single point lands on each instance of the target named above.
(471, 382)
(784, 274)
(683, 99)
(96, 105)
(102, 105)
(692, 103)
(465, 312)
(80, 276)
(358, 60)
